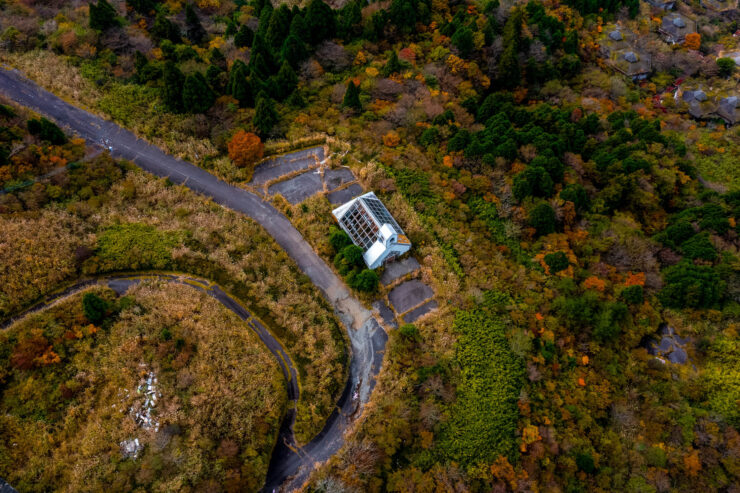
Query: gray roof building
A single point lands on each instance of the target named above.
(675, 27)
(631, 63)
(699, 105)
(616, 38)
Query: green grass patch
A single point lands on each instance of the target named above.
(136, 246)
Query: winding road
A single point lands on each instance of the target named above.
(290, 465)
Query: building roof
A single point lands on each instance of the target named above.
(676, 26)
(371, 227)
(663, 4)
(616, 38)
(631, 62)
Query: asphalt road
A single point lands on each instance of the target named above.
(367, 339)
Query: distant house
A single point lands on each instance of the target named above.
(631, 63)
(698, 104)
(662, 4)
(719, 5)
(729, 109)
(371, 227)
(614, 39)
(675, 27)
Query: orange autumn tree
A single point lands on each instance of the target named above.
(245, 149)
(693, 41)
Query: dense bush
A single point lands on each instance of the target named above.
(691, 286)
(134, 246)
(556, 261)
(483, 419)
(94, 307)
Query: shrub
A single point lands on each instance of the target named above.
(136, 246)
(726, 66)
(366, 281)
(94, 307)
(610, 319)
(429, 137)
(410, 332)
(338, 239)
(577, 194)
(556, 262)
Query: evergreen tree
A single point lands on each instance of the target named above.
(265, 116)
(298, 28)
(258, 67)
(238, 85)
(218, 59)
(284, 83)
(264, 20)
(320, 21)
(172, 89)
(259, 47)
(278, 28)
(197, 97)
(349, 20)
(509, 73)
(244, 37)
(293, 51)
(195, 31)
(216, 78)
(463, 41)
(393, 65)
(352, 97)
(164, 28)
(102, 15)
(231, 28)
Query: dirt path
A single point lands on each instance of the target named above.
(367, 340)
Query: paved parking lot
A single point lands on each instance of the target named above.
(396, 270)
(299, 188)
(285, 164)
(335, 178)
(339, 197)
(409, 294)
(416, 313)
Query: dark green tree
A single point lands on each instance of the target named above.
(238, 85)
(46, 130)
(278, 28)
(244, 37)
(102, 15)
(299, 29)
(393, 64)
(197, 97)
(320, 21)
(218, 59)
(172, 88)
(556, 262)
(366, 281)
(194, 28)
(352, 97)
(94, 307)
(509, 73)
(463, 41)
(349, 20)
(284, 82)
(575, 193)
(164, 28)
(294, 50)
(338, 239)
(726, 66)
(265, 116)
(693, 286)
(542, 219)
(216, 78)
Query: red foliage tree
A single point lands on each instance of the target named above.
(245, 149)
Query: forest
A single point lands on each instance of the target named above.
(570, 217)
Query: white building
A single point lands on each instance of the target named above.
(371, 227)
